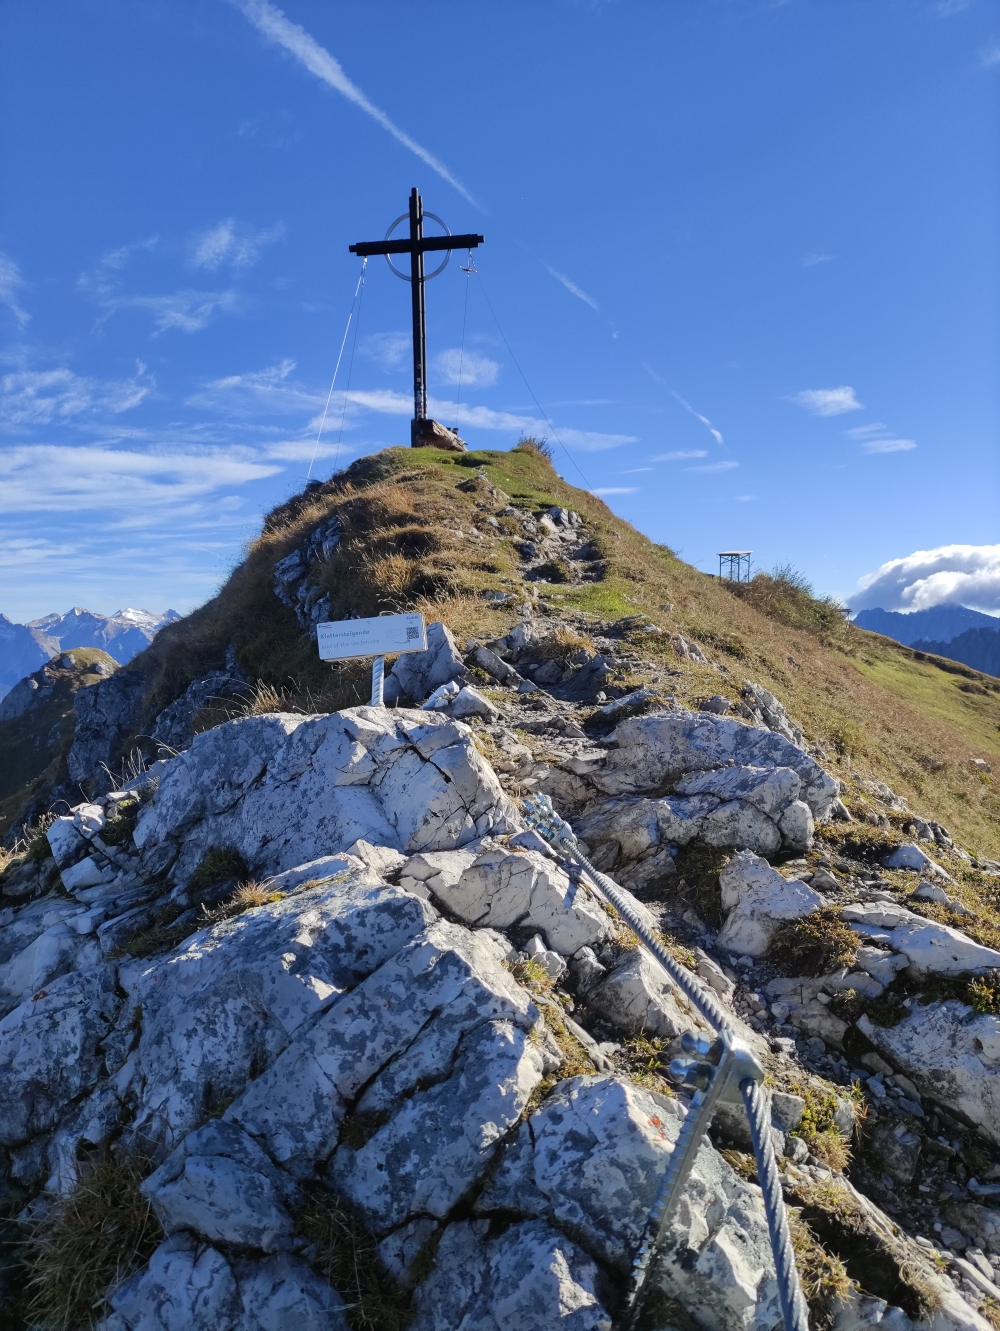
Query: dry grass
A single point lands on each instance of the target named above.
(216, 865)
(248, 896)
(824, 1277)
(815, 945)
(877, 705)
(645, 1058)
(346, 1257)
(88, 1243)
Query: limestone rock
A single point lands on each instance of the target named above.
(529, 1278)
(909, 856)
(930, 948)
(497, 889)
(651, 750)
(951, 1054)
(415, 675)
(190, 1287)
(218, 1183)
(404, 1022)
(758, 901)
(766, 710)
(439, 1141)
(425, 433)
(590, 1160)
(106, 715)
(470, 702)
(49, 1048)
(285, 789)
(639, 996)
(220, 1009)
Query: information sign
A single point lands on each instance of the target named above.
(388, 635)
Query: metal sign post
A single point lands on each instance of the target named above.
(349, 639)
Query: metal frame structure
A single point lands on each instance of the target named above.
(737, 565)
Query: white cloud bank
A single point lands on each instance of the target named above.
(828, 401)
(950, 575)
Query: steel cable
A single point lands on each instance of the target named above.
(793, 1305)
(794, 1309)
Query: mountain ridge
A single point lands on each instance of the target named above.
(939, 623)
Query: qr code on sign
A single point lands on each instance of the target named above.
(412, 632)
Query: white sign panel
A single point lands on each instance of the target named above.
(342, 639)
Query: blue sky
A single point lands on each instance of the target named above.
(744, 253)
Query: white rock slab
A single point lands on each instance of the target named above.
(591, 1159)
(85, 873)
(287, 790)
(930, 948)
(49, 1051)
(498, 889)
(440, 1141)
(221, 1185)
(530, 1278)
(639, 996)
(186, 1287)
(759, 900)
(407, 1018)
(221, 1008)
(951, 1054)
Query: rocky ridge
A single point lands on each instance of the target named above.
(421, 1013)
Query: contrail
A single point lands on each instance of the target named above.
(571, 286)
(698, 416)
(269, 20)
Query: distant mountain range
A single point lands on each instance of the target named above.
(979, 648)
(25, 647)
(952, 631)
(940, 624)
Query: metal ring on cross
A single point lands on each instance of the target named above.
(447, 254)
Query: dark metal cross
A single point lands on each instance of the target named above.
(416, 247)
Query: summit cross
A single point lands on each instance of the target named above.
(422, 430)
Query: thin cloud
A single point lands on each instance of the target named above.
(867, 431)
(57, 478)
(233, 244)
(990, 56)
(634, 471)
(468, 368)
(387, 350)
(698, 416)
(813, 260)
(828, 401)
(616, 490)
(185, 311)
(889, 445)
(387, 401)
(271, 391)
(712, 467)
(11, 282)
(745, 499)
(39, 397)
(681, 455)
(948, 575)
(272, 24)
(572, 287)
(652, 373)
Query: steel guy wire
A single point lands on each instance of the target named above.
(343, 343)
(534, 399)
(350, 368)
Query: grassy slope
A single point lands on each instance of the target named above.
(907, 719)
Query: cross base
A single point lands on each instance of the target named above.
(425, 433)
